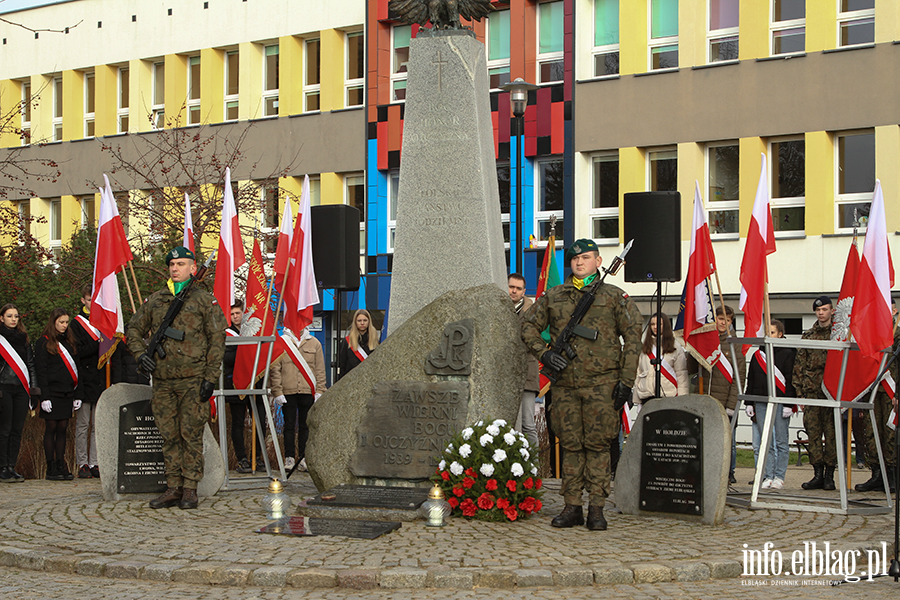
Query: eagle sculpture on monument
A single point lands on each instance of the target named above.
(443, 14)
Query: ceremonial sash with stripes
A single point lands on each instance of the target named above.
(359, 352)
(15, 362)
(90, 329)
(725, 368)
(231, 332)
(627, 419)
(779, 376)
(69, 362)
(297, 358)
(667, 369)
(889, 385)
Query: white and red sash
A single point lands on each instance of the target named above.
(69, 362)
(725, 368)
(889, 385)
(760, 357)
(359, 352)
(627, 419)
(15, 362)
(90, 329)
(231, 332)
(667, 370)
(297, 358)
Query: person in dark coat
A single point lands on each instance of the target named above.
(17, 378)
(92, 383)
(359, 343)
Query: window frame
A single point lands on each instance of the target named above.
(600, 213)
(158, 85)
(54, 222)
(660, 43)
(548, 57)
(83, 202)
(57, 109)
(506, 217)
(123, 112)
(356, 83)
(851, 198)
(781, 26)
(714, 36)
(362, 217)
(399, 72)
(649, 164)
(498, 66)
(231, 100)
(90, 90)
(393, 194)
(25, 138)
(543, 216)
(850, 17)
(270, 94)
(312, 89)
(777, 202)
(604, 49)
(716, 206)
(192, 105)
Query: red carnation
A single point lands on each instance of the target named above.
(468, 508)
(527, 505)
(537, 484)
(502, 503)
(485, 501)
(445, 475)
(511, 485)
(491, 484)
(537, 505)
(453, 502)
(468, 482)
(528, 483)
(458, 490)
(471, 473)
(511, 513)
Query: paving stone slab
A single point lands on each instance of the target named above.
(312, 578)
(402, 577)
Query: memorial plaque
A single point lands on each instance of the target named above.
(141, 466)
(368, 530)
(372, 496)
(453, 356)
(407, 426)
(671, 463)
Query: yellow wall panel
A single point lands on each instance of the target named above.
(887, 21)
(290, 80)
(212, 85)
(691, 168)
(887, 157)
(250, 91)
(332, 188)
(632, 36)
(10, 99)
(632, 177)
(176, 90)
(293, 186)
(42, 108)
(750, 149)
(70, 209)
(106, 89)
(73, 105)
(820, 182)
(753, 35)
(140, 95)
(691, 34)
(332, 68)
(821, 25)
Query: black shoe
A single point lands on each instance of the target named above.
(731, 478)
(818, 480)
(243, 466)
(570, 516)
(189, 499)
(595, 519)
(874, 484)
(829, 479)
(53, 472)
(84, 472)
(95, 472)
(63, 470)
(17, 476)
(6, 475)
(170, 497)
(892, 483)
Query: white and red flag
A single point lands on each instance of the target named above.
(872, 323)
(283, 250)
(300, 292)
(231, 251)
(111, 255)
(188, 241)
(754, 273)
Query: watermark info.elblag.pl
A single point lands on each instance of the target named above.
(814, 563)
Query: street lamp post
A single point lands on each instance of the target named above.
(518, 98)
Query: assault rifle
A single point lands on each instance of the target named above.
(165, 330)
(573, 327)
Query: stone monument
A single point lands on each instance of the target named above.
(676, 460)
(448, 177)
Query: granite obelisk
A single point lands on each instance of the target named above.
(449, 235)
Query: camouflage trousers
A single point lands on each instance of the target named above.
(586, 423)
(883, 408)
(819, 423)
(181, 417)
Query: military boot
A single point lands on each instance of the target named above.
(53, 473)
(874, 484)
(170, 497)
(892, 482)
(595, 519)
(818, 479)
(829, 479)
(189, 499)
(570, 516)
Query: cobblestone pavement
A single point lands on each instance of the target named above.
(67, 528)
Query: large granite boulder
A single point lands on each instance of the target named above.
(344, 418)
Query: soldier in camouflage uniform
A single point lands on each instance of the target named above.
(602, 371)
(883, 406)
(809, 370)
(184, 380)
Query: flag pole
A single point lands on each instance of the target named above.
(137, 288)
(128, 287)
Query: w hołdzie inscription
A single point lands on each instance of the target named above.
(671, 464)
(141, 465)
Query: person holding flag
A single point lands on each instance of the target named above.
(673, 364)
(17, 381)
(56, 367)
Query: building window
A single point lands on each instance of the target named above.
(551, 66)
(270, 81)
(312, 78)
(315, 190)
(605, 207)
(88, 215)
(856, 22)
(57, 109)
(663, 34)
(232, 84)
(663, 165)
(788, 26)
(55, 224)
(550, 195)
(723, 163)
(270, 215)
(355, 51)
(505, 189)
(400, 37)
(89, 105)
(355, 195)
(393, 192)
(122, 106)
(194, 86)
(856, 178)
(606, 37)
(158, 110)
(497, 37)
(123, 202)
(24, 210)
(723, 30)
(788, 184)
(26, 114)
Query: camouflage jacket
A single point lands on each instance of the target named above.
(201, 319)
(809, 366)
(603, 360)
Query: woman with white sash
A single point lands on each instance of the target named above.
(57, 374)
(674, 378)
(359, 343)
(16, 379)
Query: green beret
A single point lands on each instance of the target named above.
(179, 252)
(580, 247)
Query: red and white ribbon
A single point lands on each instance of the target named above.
(15, 362)
(231, 332)
(297, 358)
(90, 329)
(725, 368)
(69, 362)
(889, 385)
(359, 352)
(667, 369)
(779, 376)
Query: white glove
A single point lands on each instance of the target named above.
(280, 400)
(750, 410)
(76, 404)
(46, 406)
(786, 412)
(317, 396)
(729, 412)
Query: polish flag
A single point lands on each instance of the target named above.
(872, 323)
(188, 241)
(300, 293)
(231, 251)
(112, 253)
(754, 274)
(283, 250)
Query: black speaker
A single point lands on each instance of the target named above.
(653, 221)
(335, 246)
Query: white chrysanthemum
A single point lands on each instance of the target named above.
(523, 439)
(534, 470)
(442, 465)
(485, 440)
(450, 447)
(500, 423)
(524, 452)
(517, 470)
(467, 433)
(465, 450)
(493, 430)
(499, 455)
(479, 423)
(487, 469)
(456, 468)
(509, 438)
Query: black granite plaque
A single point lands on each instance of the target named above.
(372, 496)
(671, 463)
(407, 427)
(453, 356)
(368, 530)
(141, 466)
